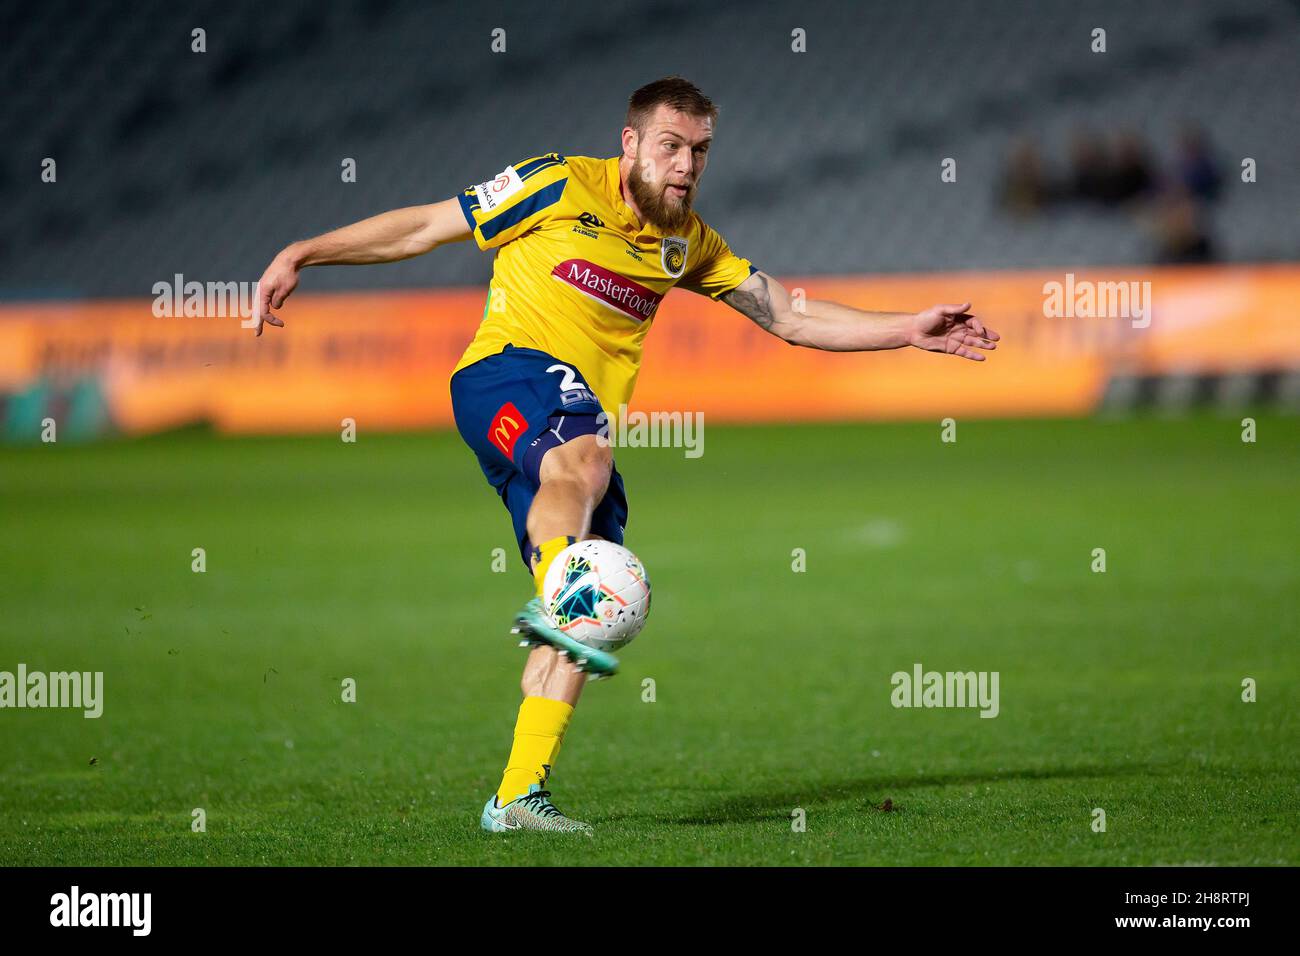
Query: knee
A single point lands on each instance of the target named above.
(585, 462)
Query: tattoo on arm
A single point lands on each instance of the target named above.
(756, 305)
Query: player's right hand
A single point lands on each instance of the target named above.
(277, 284)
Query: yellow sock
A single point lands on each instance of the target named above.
(544, 554)
(538, 734)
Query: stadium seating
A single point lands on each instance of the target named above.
(827, 161)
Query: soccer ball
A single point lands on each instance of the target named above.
(598, 593)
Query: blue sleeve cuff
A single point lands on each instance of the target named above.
(464, 208)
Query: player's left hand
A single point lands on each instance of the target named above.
(951, 329)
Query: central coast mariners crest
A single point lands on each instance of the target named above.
(674, 256)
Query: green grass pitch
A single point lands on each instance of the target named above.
(1120, 691)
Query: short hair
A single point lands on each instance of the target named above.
(675, 92)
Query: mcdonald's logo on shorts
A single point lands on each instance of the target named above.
(507, 425)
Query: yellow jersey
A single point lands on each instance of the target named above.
(576, 275)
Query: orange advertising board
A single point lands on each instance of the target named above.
(383, 358)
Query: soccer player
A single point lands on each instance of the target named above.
(586, 248)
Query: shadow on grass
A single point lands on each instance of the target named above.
(868, 793)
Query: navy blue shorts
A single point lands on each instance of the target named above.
(511, 409)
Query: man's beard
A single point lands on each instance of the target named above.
(667, 214)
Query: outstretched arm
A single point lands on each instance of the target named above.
(388, 237)
(833, 327)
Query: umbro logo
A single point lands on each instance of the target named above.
(632, 250)
(591, 220)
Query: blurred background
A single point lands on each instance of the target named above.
(1170, 157)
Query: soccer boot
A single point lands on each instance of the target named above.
(533, 628)
(532, 811)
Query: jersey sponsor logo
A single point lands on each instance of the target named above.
(494, 192)
(508, 424)
(609, 288)
(674, 255)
